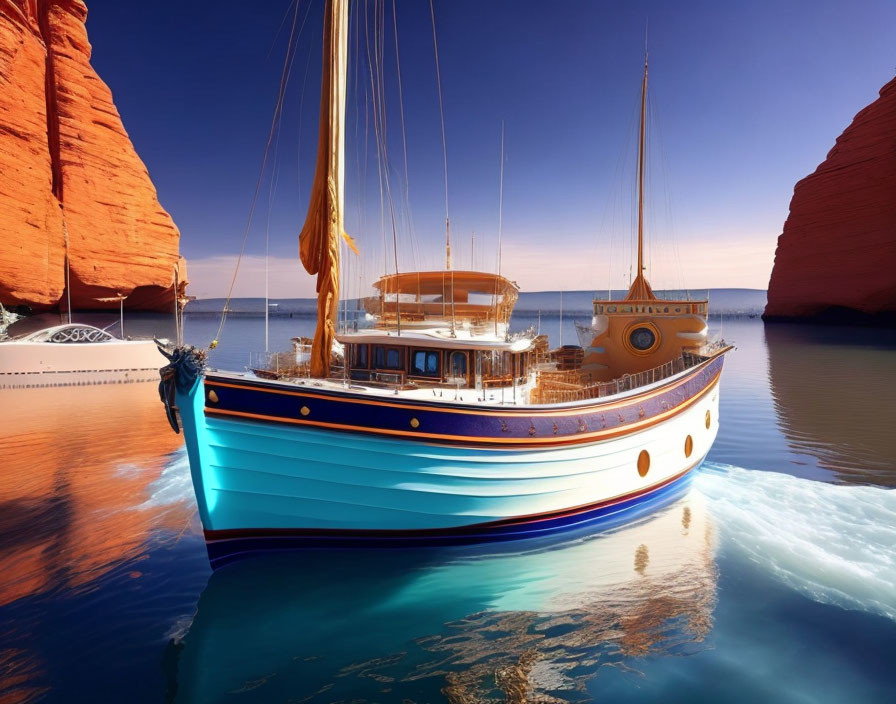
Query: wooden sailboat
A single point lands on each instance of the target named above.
(437, 425)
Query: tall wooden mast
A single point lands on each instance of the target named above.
(641, 171)
(319, 239)
(640, 289)
(447, 246)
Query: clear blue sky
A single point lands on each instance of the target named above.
(747, 98)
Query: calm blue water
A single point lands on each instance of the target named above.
(773, 579)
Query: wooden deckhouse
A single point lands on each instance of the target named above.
(640, 332)
(440, 328)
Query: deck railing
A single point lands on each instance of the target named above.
(279, 365)
(554, 386)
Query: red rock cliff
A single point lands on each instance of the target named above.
(68, 165)
(838, 248)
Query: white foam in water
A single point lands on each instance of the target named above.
(835, 544)
(174, 483)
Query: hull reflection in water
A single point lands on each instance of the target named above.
(839, 414)
(77, 467)
(76, 463)
(462, 624)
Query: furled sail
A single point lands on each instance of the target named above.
(319, 239)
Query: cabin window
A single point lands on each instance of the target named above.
(393, 358)
(425, 363)
(611, 309)
(360, 356)
(387, 358)
(458, 364)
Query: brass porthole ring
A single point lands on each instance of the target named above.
(212, 396)
(641, 338)
(708, 420)
(643, 463)
(304, 410)
(688, 446)
(415, 423)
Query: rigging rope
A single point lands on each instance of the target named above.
(275, 177)
(501, 200)
(284, 79)
(360, 172)
(404, 140)
(435, 45)
(377, 87)
(383, 136)
(374, 104)
(500, 228)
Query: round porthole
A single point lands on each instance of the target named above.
(641, 338)
(708, 420)
(643, 463)
(304, 410)
(415, 423)
(688, 446)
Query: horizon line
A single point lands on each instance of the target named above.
(578, 290)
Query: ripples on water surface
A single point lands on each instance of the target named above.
(771, 579)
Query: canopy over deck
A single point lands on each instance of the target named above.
(462, 295)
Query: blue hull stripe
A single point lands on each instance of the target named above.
(421, 421)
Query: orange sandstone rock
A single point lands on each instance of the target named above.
(31, 239)
(838, 248)
(75, 170)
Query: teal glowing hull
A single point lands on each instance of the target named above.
(266, 481)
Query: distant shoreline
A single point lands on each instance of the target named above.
(746, 302)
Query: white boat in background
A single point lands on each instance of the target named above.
(75, 355)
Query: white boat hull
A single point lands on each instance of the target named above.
(36, 364)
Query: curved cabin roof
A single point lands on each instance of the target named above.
(442, 282)
(470, 295)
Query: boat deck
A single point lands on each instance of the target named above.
(496, 396)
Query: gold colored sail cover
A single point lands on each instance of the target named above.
(319, 239)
